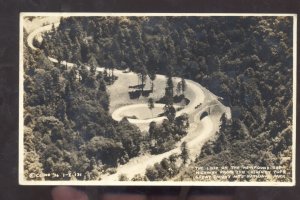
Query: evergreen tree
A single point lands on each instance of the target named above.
(183, 85)
(170, 112)
(93, 65)
(169, 91)
(184, 153)
(151, 105)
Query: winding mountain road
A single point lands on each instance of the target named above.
(198, 133)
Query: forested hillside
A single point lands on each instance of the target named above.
(67, 125)
(247, 61)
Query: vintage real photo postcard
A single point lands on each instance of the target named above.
(157, 99)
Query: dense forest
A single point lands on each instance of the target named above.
(60, 139)
(248, 61)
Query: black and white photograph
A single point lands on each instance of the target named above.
(157, 99)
